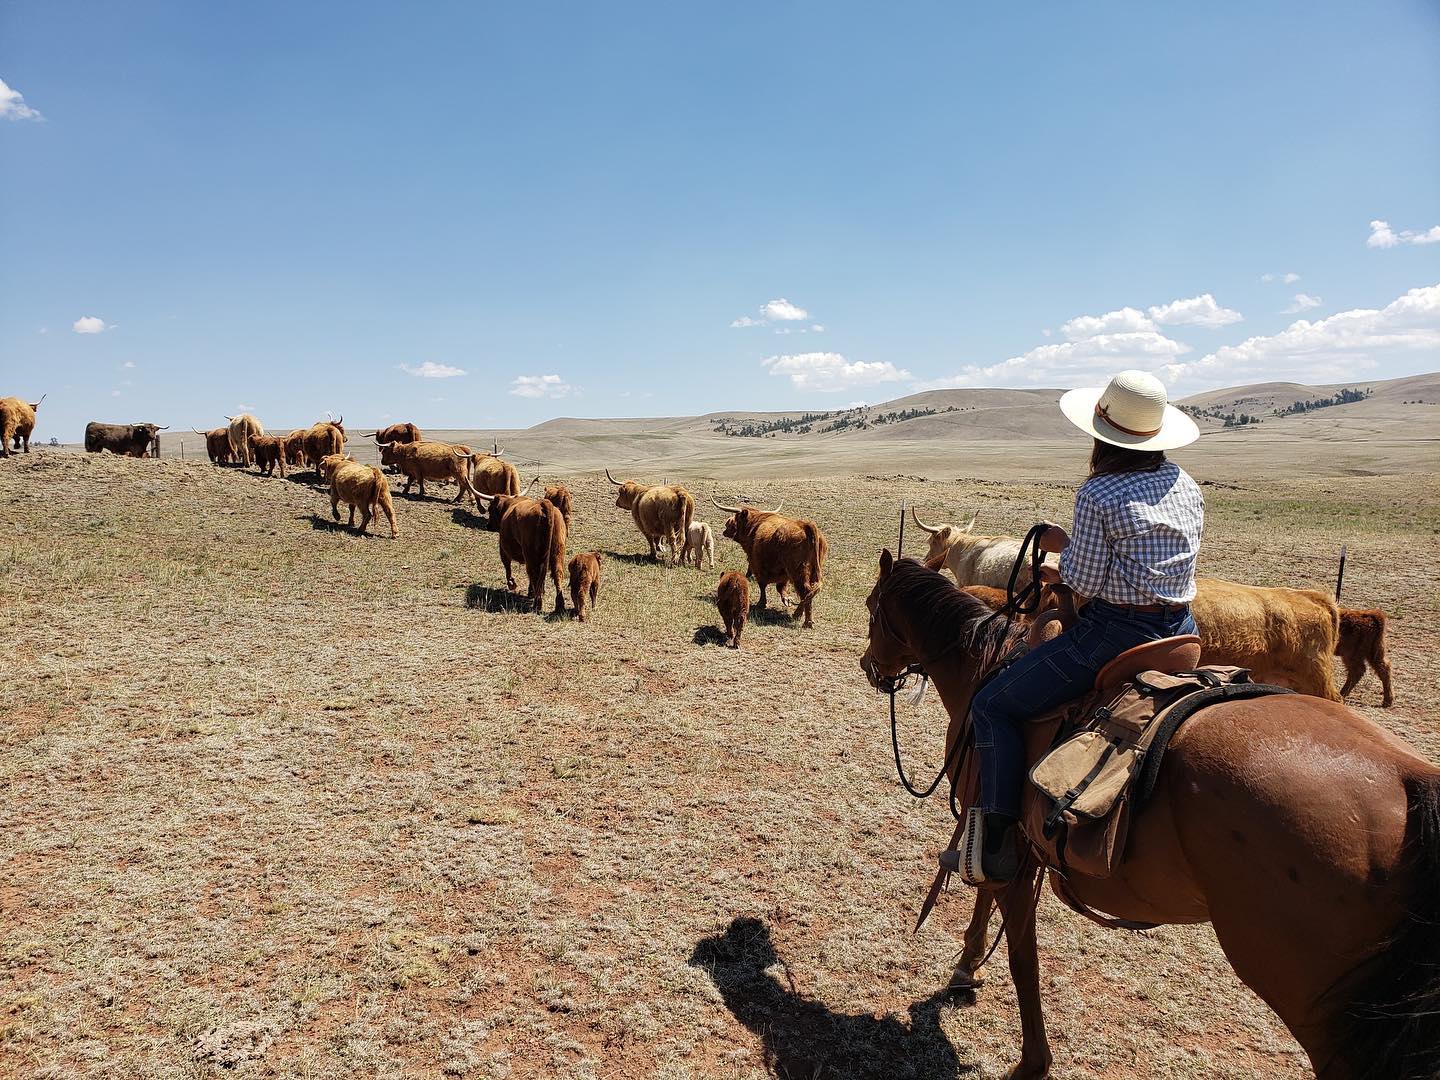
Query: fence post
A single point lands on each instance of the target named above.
(900, 546)
(1340, 577)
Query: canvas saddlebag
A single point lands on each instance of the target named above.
(1086, 781)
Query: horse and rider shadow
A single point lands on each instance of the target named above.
(803, 1037)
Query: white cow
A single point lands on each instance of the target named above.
(700, 540)
(974, 560)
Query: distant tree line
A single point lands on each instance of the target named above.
(859, 418)
(1232, 418)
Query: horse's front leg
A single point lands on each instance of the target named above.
(967, 972)
(1017, 904)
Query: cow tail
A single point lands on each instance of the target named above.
(689, 516)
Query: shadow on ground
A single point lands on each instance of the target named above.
(804, 1038)
(709, 635)
(325, 524)
(469, 519)
(486, 598)
(635, 558)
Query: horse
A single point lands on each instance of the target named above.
(1307, 836)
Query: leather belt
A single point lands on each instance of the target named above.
(1149, 609)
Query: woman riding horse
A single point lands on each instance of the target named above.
(1131, 551)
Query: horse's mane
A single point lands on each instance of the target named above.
(943, 617)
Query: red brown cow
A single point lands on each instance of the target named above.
(781, 551)
(324, 438)
(217, 444)
(268, 452)
(732, 597)
(1362, 641)
(395, 433)
(584, 581)
(438, 461)
(17, 423)
(662, 512)
(295, 446)
(532, 533)
(559, 495)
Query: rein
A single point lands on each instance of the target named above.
(1025, 602)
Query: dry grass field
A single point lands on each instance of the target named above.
(283, 801)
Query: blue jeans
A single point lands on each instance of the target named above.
(1048, 676)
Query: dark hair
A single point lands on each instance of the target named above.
(1108, 458)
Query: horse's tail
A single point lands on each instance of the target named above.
(1396, 1014)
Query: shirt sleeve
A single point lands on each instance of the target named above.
(1085, 562)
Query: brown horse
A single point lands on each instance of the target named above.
(1307, 836)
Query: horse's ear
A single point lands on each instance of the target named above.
(887, 563)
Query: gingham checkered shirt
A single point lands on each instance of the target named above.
(1136, 537)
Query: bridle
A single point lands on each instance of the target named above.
(1024, 602)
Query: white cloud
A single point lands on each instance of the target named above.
(1303, 302)
(1070, 363)
(1126, 320)
(1382, 236)
(1288, 279)
(431, 370)
(1199, 310)
(541, 386)
(828, 371)
(12, 104)
(114, 393)
(1330, 350)
(246, 408)
(128, 364)
(89, 324)
(773, 311)
(817, 328)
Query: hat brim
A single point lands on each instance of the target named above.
(1176, 430)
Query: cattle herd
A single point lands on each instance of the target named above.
(1287, 636)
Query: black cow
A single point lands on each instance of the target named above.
(131, 440)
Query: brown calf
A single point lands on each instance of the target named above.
(584, 582)
(268, 452)
(732, 597)
(558, 495)
(1362, 641)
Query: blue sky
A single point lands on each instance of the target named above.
(317, 206)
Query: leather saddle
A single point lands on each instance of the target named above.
(1167, 655)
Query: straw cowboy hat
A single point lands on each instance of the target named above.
(1131, 411)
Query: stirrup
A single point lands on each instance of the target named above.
(970, 854)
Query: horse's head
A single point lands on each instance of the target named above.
(886, 653)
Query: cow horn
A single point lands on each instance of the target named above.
(481, 497)
(727, 509)
(199, 432)
(457, 453)
(931, 529)
(341, 421)
(37, 404)
(384, 445)
(165, 428)
(777, 506)
(368, 434)
(612, 479)
(227, 417)
(495, 450)
(971, 523)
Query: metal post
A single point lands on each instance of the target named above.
(900, 547)
(1340, 577)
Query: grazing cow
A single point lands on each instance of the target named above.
(325, 437)
(395, 433)
(584, 581)
(128, 440)
(488, 474)
(532, 532)
(974, 560)
(359, 485)
(268, 452)
(1361, 641)
(781, 551)
(242, 427)
(217, 444)
(662, 512)
(295, 447)
(559, 496)
(17, 423)
(437, 461)
(700, 540)
(732, 597)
